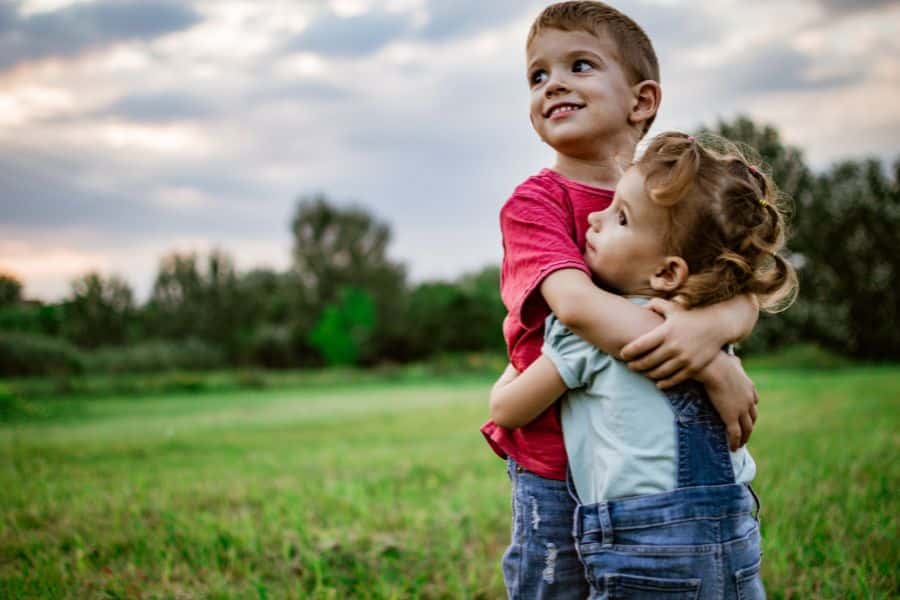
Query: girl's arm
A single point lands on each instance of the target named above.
(516, 399)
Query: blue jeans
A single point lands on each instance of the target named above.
(699, 541)
(541, 561)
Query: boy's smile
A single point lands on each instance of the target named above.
(580, 96)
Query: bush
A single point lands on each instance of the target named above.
(271, 346)
(154, 356)
(32, 354)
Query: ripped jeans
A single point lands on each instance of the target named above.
(541, 561)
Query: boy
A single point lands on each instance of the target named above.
(595, 91)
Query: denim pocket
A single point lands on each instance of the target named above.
(749, 583)
(635, 587)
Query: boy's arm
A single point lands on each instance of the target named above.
(661, 355)
(673, 351)
(610, 322)
(516, 400)
(606, 320)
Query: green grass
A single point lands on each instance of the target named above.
(381, 488)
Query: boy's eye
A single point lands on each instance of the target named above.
(581, 66)
(537, 76)
(623, 220)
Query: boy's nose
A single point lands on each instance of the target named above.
(594, 219)
(555, 86)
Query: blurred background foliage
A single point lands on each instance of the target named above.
(344, 301)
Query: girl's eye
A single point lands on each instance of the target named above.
(538, 76)
(623, 220)
(581, 66)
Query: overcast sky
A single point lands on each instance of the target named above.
(133, 128)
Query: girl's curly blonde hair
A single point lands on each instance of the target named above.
(726, 220)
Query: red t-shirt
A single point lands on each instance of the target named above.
(543, 224)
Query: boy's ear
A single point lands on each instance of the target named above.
(670, 274)
(647, 96)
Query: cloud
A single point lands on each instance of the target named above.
(80, 27)
(38, 193)
(779, 68)
(159, 108)
(416, 109)
(358, 35)
(452, 20)
(363, 34)
(847, 7)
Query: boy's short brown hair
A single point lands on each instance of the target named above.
(634, 49)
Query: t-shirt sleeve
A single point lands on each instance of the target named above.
(575, 359)
(538, 239)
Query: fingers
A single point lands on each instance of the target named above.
(666, 369)
(653, 360)
(746, 428)
(753, 413)
(679, 377)
(733, 430)
(644, 344)
(661, 307)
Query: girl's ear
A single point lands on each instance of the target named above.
(647, 96)
(670, 275)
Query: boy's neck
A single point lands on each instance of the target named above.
(602, 168)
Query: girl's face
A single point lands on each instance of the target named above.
(625, 242)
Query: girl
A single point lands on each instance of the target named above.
(664, 509)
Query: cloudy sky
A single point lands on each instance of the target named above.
(133, 128)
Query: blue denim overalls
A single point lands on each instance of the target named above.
(699, 541)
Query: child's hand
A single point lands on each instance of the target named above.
(678, 349)
(733, 395)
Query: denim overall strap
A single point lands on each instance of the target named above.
(703, 456)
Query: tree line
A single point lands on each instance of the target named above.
(343, 300)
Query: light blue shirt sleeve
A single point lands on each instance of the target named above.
(576, 360)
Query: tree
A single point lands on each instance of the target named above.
(269, 298)
(344, 329)
(462, 315)
(844, 245)
(10, 290)
(852, 259)
(99, 311)
(198, 299)
(339, 248)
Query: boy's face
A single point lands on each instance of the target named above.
(579, 93)
(625, 241)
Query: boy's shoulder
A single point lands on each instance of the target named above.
(545, 185)
(548, 187)
(544, 180)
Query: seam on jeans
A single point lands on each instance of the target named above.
(682, 550)
(614, 581)
(523, 543)
(741, 540)
(646, 524)
(718, 559)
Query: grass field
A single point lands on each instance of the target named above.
(385, 489)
